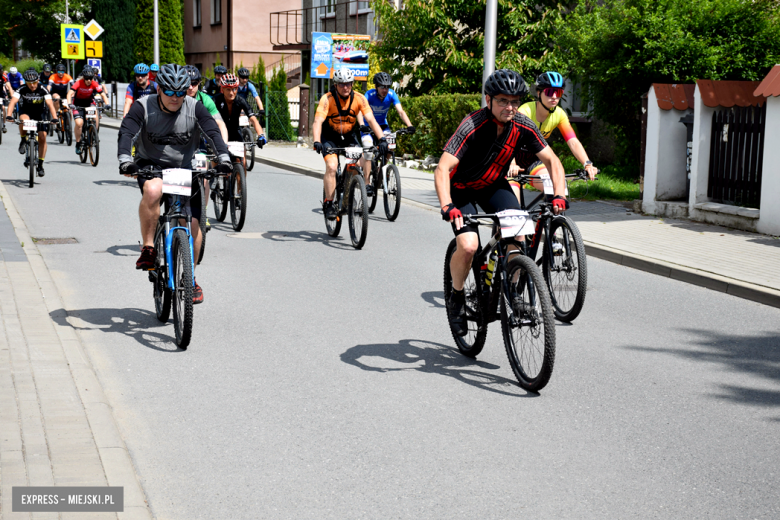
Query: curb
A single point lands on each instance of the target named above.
(114, 456)
(740, 289)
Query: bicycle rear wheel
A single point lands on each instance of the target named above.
(60, 131)
(84, 144)
(32, 158)
(94, 146)
(567, 273)
(219, 198)
(159, 278)
(393, 192)
(67, 129)
(373, 179)
(474, 341)
(250, 152)
(182, 288)
(202, 221)
(528, 324)
(357, 209)
(238, 197)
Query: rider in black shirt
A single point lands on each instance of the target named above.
(34, 101)
(212, 87)
(231, 106)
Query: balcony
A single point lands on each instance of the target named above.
(291, 30)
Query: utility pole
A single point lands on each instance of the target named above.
(67, 20)
(156, 33)
(491, 20)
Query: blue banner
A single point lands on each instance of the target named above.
(321, 55)
(333, 51)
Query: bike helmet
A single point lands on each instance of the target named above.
(88, 73)
(61, 67)
(46, 67)
(219, 69)
(549, 79)
(173, 77)
(13, 70)
(383, 79)
(243, 72)
(506, 81)
(141, 68)
(343, 76)
(229, 80)
(193, 71)
(154, 67)
(31, 75)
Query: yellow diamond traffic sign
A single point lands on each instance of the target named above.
(93, 29)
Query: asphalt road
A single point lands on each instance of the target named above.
(322, 382)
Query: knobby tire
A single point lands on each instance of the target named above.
(94, 146)
(238, 197)
(392, 195)
(474, 341)
(567, 276)
(357, 210)
(32, 157)
(182, 288)
(161, 292)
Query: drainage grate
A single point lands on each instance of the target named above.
(52, 241)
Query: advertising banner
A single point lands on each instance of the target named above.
(333, 51)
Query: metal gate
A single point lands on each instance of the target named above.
(736, 156)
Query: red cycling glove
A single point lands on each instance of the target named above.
(450, 212)
(560, 202)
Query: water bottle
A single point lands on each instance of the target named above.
(491, 269)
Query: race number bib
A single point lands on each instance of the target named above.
(177, 181)
(236, 148)
(353, 152)
(548, 183)
(243, 120)
(390, 142)
(30, 125)
(200, 162)
(91, 112)
(515, 222)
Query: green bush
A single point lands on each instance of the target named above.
(21, 65)
(435, 117)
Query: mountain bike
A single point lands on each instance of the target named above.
(385, 176)
(31, 129)
(249, 142)
(90, 142)
(63, 128)
(503, 275)
(2, 118)
(173, 274)
(350, 197)
(563, 260)
(236, 190)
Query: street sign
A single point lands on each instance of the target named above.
(93, 29)
(94, 49)
(96, 64)
(72, 44)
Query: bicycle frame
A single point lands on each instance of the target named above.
(341, 173)
(176, 211)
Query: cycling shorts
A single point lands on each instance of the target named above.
(36, 114)
(78, 112)
(194, 206)
(334, 140)
(494, 198)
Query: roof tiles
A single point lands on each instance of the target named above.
(729, 93)
(770, 86)
(674, 95)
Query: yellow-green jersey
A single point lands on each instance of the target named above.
(558, 119)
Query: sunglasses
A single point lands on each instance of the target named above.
(553, 92)
(194, 83)
(177, 93)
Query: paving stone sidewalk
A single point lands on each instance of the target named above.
(739, 263)
(56, 425)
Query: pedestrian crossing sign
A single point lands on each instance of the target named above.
(72, 41)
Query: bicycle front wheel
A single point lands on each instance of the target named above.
(202, 221)
(67, 129)
(333, 227)
(393, 192)
(84, 144)
(219, 198)
(357, 209)
(565, 268)
(528, 323)
(474, 341)
(60, 132)
(250, 151)
(238, 197)
(373, 179)
(32, 158)
(182, 288)
(161, 292)
(94, 146)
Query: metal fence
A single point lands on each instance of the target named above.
(736, 156)
(277, 117)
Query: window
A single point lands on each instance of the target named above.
(196, 13)
(360, 7)
(216, 12)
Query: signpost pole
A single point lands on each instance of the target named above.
(67, 20)
(491, 18)
(156, 33)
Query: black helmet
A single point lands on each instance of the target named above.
(173, 77)
(549, 79)
(31, 75)
(61, 68)
(193, 71)
(46, 67)
(506, 81)
(382, 79)
(243, 72)
(88, 72)
(219, 69)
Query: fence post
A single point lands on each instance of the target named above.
(303, 117)
(267, 115)
(115, 98)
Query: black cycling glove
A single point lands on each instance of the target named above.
(318, 147)
(225, 167)
(411, 130)
(382, 147)
(128, 168)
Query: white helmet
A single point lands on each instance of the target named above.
(343, 76)
(13, 70)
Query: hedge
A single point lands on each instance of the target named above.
(435, 117)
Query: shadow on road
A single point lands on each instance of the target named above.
(134, 323)
(20, 183)
(435, 358)
(337, 242)
(754, 356)
(131, 184)
(435, 298)
(128, 250)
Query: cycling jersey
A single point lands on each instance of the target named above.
(247, 89)
(84, 94)
(152, 76)
(558, 119)
(381, 107)
(136, 92)
(342, 116)
(44, 78)
(16, 80)
(484, 157)
(33, 102)
(231, 117)
(212, 88)
(209, 104)
(60, 85)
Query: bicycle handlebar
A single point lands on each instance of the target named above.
(150, 173)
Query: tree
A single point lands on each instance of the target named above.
(278, 113)
(618, 48)
(117, 17)
(439, 44)
(171, 32)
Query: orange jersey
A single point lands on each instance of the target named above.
(342, 121)
(59, 85)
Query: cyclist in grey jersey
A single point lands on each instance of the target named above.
(166, 130)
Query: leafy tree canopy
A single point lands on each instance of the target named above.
(171, 32)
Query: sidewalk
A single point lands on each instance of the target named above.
(56, 425)
(735, 262)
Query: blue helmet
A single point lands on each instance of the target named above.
(549, 79)
(154, 67)
(141, 68)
